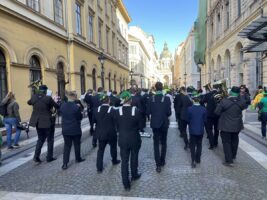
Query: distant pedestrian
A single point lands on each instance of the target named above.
(41, 118)
(88, 101)
(12, 119)
(262, 105)
(159, 107)
(197, 117)
(230, 123)
(105, 132)
(244, 95)
(71, 113)
(128, 122)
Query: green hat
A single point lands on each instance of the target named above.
(125, 95)
(103, 97)
(195, 94)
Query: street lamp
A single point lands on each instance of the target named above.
(102, 59)
(131, 75)
(200, 64)
(185, 79)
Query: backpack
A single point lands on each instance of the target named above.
(3, 109)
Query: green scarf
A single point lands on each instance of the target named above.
(159, 93)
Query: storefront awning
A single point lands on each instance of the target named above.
(255, 47)
(256, 31)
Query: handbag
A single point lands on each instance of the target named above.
(21, 127)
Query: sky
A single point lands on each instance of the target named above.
(168, 20)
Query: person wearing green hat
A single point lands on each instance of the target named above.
(263, 113)
(128, 122)
(230, 123)
(196, 117)
(105, 132)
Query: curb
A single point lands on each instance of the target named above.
(254, 136)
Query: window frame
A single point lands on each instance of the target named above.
(62, 12)
(78, 28)
(32, 7)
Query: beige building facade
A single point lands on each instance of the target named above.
(59, 42)
(225, 58)
(177, 72)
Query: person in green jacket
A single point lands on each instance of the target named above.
(263, 113)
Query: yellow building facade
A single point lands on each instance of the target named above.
(59, 42)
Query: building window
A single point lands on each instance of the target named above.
(82, 79)
(100, 24)
(91, 27)
(113, 44)
(78, 19)
(107, 39)
(61, 83)
(58, 5)
(35, 70)
(238, 8)
(34, 4)
(3, 76)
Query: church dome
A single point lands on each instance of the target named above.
(165, 53)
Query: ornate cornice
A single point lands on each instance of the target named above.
(124, 11)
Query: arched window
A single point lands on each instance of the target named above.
(94, 79)
(61, 80)
(3, 76)
(82, 79)
(109, 81)
(115, 83)
(35, 71)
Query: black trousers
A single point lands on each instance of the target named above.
(68, 140)
(160, 138)
(45, 134)
(263, 124)
(179, 122)
(126, 155)
(212, 130)
(90, 117)
(230, 145)
(184, 125)
(101, 150)
(196, 147)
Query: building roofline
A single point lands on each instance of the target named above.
(124, 11)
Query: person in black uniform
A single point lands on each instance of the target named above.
(115, 100)
(105, 132)
(95, 104)
(128, 125)
(177, 108)
(71, 128)
(88, 101)
(212, 119)
(185, 103)
(41, 118)
(159, 107)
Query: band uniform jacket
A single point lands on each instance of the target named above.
(128, 122)
(159, 107)
(42, 110)
(105, 123)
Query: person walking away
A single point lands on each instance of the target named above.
(41, 118)
(263, 113)
(159, 107)
(230, 123)
(128, 124)
(114, 100)
(12, 120)
(177, 107)
(185, 103)
(95, 104)
(197, 117)
(88, 101)
(105, 132)
(244, 95)
(71, 128)
(212, 119)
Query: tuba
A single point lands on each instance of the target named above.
(208, 87)
(221, 87)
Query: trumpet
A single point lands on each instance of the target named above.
(35, 85)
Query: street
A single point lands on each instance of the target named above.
(210, 180)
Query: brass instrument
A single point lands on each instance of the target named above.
(221, 87)
(35, 86)
(208, 87)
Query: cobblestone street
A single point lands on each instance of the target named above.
(210, 180)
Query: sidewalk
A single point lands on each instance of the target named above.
(253, 130)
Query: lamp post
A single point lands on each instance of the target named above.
(185, 79)
(102, 58)
(199, 65)
(131, 75)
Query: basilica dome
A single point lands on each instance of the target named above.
(165, 53)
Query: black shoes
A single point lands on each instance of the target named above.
(127, 187)
(162, 163)
(94, 145)
(227, 164)
(37, 160)
(50, 159)
(99, 171)
(10, 148)
(80, 160)
(193, 165)
(136, 177)
(116, 162)
(158, 169)
(65, 166)
(185, 147)
(211, 148)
